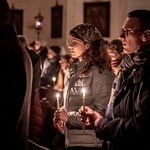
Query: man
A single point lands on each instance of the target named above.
(16, 85)
(127, 125)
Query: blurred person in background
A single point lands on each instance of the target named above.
(51, 67)
(64, 63)
(36, 113)
(40, 50)
(115, 51)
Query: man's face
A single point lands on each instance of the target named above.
(131, 35)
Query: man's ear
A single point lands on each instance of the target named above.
(146, 36)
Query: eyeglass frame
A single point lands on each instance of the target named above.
(125, 31)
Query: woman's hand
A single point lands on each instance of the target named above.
(59, 124)
(61, 114)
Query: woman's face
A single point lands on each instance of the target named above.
(76, 47)
(63, 63)
(116, 57)
(50, 53)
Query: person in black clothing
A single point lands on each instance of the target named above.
(51, 67)
(16, 85)
(40, 50)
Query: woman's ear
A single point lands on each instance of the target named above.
(88, 46)
(146, 36)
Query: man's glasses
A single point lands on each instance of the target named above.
(124, 32)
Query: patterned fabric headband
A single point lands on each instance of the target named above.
(87, 32)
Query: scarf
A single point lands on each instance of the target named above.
(130, 61)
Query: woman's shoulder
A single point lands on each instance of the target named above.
(95, 69)
(105, 74)
(109, 75)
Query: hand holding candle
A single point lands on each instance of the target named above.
(57, 96)
(83, 103)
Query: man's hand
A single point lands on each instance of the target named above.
(89, 116)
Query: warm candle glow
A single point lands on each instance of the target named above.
(83, 91)
(57, 96)
(54, 79)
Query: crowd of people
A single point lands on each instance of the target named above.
(103, 87)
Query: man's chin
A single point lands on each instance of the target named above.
(126, 51)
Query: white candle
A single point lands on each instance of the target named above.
(57, 96)
(83, 103)
(83, 98)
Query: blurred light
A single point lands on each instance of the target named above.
(38, 24)
(39, 21)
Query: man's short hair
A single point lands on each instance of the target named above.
(143, 15)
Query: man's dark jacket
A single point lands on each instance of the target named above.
(15, 90)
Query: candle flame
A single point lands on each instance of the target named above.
(83, 91)
(57, 95)
(54, 79)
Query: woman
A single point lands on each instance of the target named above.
(64, 61)
(89, 68)
(115, 51)
(51, 67)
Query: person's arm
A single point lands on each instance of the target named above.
(58, 122)
(123, 126)
(89, 116)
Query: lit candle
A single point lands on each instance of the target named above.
(57, 96)
(83, 103)
(83, 99)
(54, 79)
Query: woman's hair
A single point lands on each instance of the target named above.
(95, 55)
